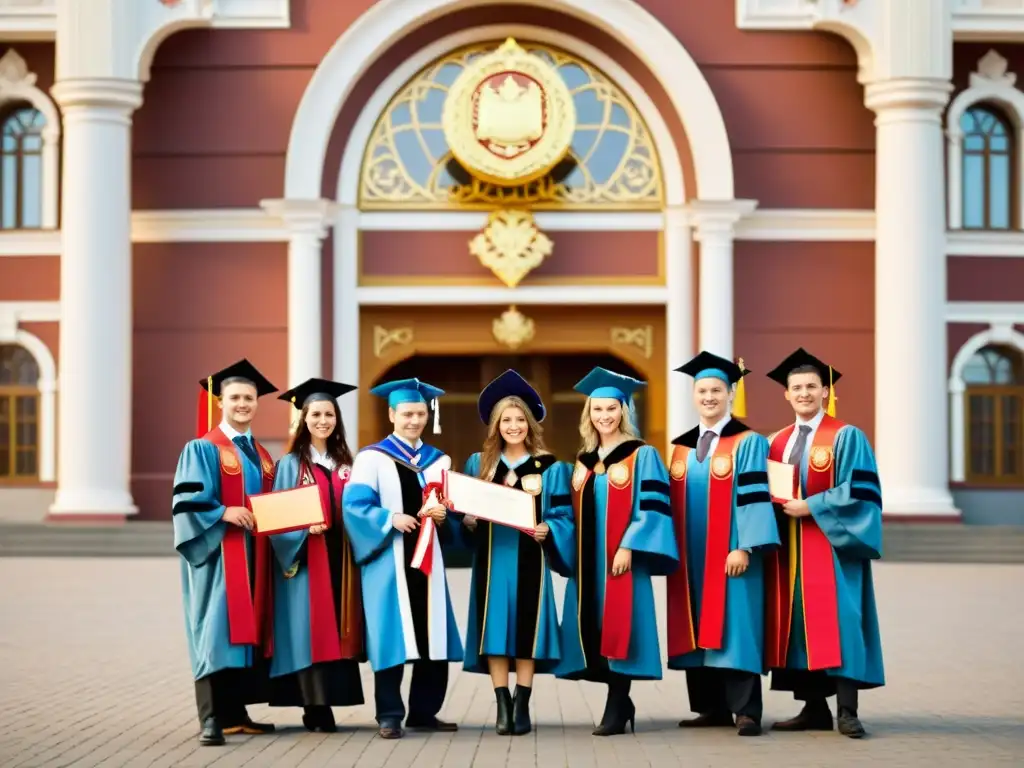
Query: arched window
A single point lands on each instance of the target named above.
(995, 416)
(21, 168)
(988, 178)
(19, 414)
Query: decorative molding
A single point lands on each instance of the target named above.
(474, 221)
(964, 242)
(807, 224)
(384, 338)
(540, 294)
(513, 328)
(988, 312)
(216, 225)
(30, 242)
(28, 19)
(30, 311)
(511, 246)
(642, 338)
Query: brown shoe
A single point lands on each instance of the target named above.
(745, 726)
(809, 719)
(391, 732)
(709, 720)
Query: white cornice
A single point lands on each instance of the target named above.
(30, 311)
(807, 224)
(989, 312)
(972, 243)
(29, 242)
(447, 295)
(218, 225)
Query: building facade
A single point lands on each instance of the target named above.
(187, 182)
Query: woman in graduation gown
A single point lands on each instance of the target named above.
(318, 616)
(625, 536)
(512, 611)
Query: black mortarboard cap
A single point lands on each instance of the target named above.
(242, 369)
(315, 389)
(509, 384)
(706, 365)
(799, 359)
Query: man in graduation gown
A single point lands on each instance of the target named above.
(396, 527)
(822, 628)
(724, 522)
(224, 568)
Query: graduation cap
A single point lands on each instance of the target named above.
(601, 382)
(708, 366)
(800, 359)
(311, 391)
(209, 390)
(509, 384)
(411, 391)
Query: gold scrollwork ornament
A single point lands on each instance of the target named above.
(384, 338)
(821, 458)
(511, 246)
(513, 328)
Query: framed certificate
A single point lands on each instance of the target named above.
(781, 481)
(284, 511)
(489, 501)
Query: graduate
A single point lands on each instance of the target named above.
(724, 522)
(396, 529)
(512, 611)
(225, 570)
(624, 537)
(823, 637)
(318, 612)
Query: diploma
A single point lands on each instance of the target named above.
(781, 481)
(490, 501)
(284, 511)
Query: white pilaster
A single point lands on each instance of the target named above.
(346, 316)
(679, 318)
(94, 438)
(715, 222)
(911, 432)
(307, 222)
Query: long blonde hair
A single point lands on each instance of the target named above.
(494, 443)
(591, 438)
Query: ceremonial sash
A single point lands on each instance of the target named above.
(617, 621)
(324, 641)
(250, 621)
(817, 568)
(681, 636)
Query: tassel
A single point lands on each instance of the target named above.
(437, 416)
(831, 410)
(739, 403)
(293, 425)
(204, 411)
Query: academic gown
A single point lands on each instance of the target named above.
(512, 611)
(630, 623)
(318, 622)
(409, 615)
(752, 528)
(850, 516)
(199, 531)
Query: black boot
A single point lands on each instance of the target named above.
(618, 709)
(521, 711)
(503, 722)
(211, 734)
(319, 718)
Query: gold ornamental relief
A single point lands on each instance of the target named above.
(511, 246)
(384, 338)
(642, 338)
(509, 117)
(513, 328)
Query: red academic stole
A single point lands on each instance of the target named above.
(246, 617)
(817, 568)
(681, 637)
(617, 622)
(331, 638)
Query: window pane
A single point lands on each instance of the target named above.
(999, 191)
(32, 192)
(977, 371)
(974, 191)
(974, 143)
(999, 143)
(1011, 427)
(982, 435)
(9, 191)
(25, 463)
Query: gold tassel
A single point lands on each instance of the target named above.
(739, 403)
(209, 403)
(293, 424)
(831, 410)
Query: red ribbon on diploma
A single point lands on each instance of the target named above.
(423, 558)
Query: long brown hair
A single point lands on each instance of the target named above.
(495, 443)
(337, 445)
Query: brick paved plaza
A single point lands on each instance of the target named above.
(95, 672)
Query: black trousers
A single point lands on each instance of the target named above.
(426, 692)
(718, 691)
(223, 695)
(815, 687)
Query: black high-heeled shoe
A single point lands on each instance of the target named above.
(503, 722)
(319, 718)
(521, 711)
(614, 723)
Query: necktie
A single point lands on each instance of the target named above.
(797, 454)
(704, 445)
(245, 443)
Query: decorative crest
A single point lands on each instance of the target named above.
(992, 68)
(513, 328)
(511, 246)
(14, 70)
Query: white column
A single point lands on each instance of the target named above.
(94, 425)
(346, 316)
(958, 457)
(679, 320)
(47, 418)
(715, 222)
(307, 222)
(911, 429)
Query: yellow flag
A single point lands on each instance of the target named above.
(739, 403)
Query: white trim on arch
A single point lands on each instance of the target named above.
(992, 83)
(11, 313)
(997, 333)
(18, 84)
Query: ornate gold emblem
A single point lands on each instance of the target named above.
(821, 458)
(641, 338)
(721, 466)
(532, 484)
(513, 328)
(229, 462)
(579, 476)
(618, 475)
(384, 338)
(678, 470)
(511, 246)
(509, 117)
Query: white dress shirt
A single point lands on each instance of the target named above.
(813, 423)
(717, 429)
(232, 433)
(321, 458)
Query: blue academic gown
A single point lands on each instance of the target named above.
(753, 529)
(511, 601)
(378, 488)
(850, 515)
(198, 531)
(650, 537)
(334, 683)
